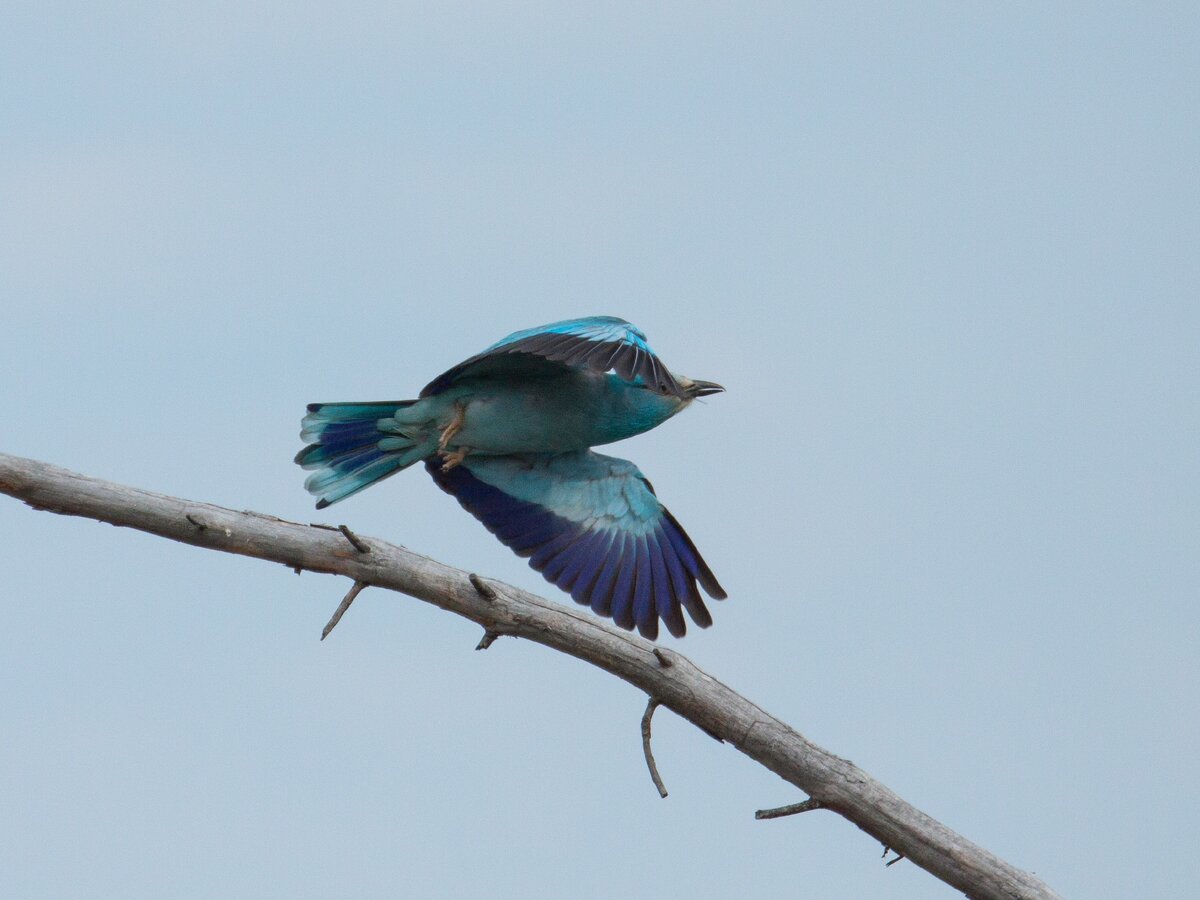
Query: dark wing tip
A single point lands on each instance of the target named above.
(711, 586)
(321, 504)
(649, 629)
(703, 573)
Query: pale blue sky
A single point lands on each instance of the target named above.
(946, 259)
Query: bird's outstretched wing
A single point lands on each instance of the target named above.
(592, 525)
(600, 343)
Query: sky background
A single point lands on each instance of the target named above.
(946, 260)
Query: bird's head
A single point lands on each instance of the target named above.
(693, 388)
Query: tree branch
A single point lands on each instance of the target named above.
(837, 784)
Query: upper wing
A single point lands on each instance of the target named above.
(591, 525)
(600, 343)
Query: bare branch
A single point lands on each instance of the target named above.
(342, 607)
(836, 783)
(792, 809)
(650, 764)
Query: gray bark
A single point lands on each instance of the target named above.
(667, 677)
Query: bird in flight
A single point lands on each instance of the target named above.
(508, 434)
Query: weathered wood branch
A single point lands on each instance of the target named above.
(668, 678)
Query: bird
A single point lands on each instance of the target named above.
(509, 434)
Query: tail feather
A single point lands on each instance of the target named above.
(355, 445)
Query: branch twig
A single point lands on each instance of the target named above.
(791, 809)
(354, 539)
(836, 783)
(651, 706)
(342, 607)
(489, 638)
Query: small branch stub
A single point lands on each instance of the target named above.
(342, 607)
(792, 809)
(482, 588)
(489, 638)
(651, 706)
(355, 541)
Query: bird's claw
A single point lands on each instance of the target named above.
(450, 459)
(452, 429)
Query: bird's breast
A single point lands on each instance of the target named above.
(553, 415)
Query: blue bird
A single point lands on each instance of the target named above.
(508, 434)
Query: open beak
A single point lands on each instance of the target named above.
(704, 388)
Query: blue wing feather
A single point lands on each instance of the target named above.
(580, 563)
(583, 588)
(644, 613)
(606, 580)
(694, 562)
(665, 601)
(592, 526)
(682, 589)
(549, 551)
(533, 533)
(621, 607)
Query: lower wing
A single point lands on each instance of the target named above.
(591, 525)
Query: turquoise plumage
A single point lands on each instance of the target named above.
(508, 433)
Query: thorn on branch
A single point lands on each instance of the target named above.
(650, 764)
(663, 659)
(485, 590)
(342, 607)
(791, 809)
(355, 541)
(489, 638)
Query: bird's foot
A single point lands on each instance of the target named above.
(451, 459)
(452, 429)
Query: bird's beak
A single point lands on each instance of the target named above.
(704, 388)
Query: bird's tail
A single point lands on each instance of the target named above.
(353, 445)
